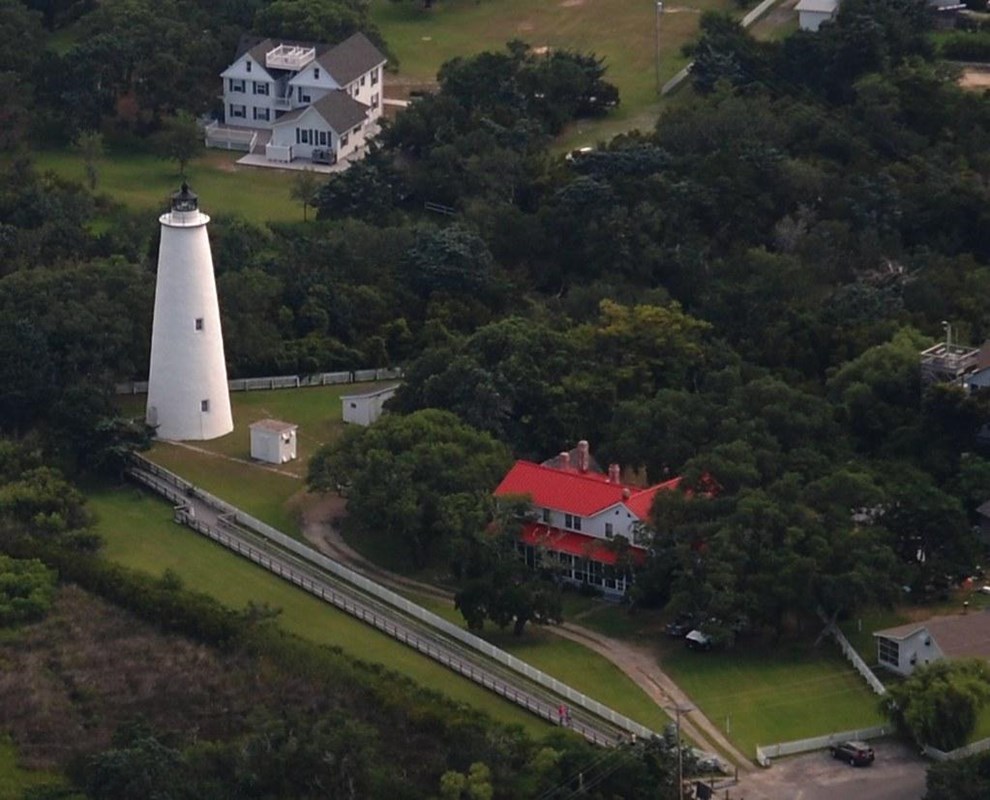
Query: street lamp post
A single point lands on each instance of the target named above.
(656, 27)
(678, 710)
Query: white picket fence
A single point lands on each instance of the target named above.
(856, 660)
(398, 601)
(767, 751)
(218, 137)
(286, 381)
(960, 752)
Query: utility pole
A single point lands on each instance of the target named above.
(678, 710)
(656, 27)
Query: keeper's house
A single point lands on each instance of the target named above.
(320, 102)
(578, 515)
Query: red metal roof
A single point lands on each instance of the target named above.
(576, 544)
(573, 492)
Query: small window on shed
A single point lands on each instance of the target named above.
(353, 405)
(199, 323)
(204, 405)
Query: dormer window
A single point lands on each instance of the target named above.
(247, 66)
(546, 514)
(316, 73)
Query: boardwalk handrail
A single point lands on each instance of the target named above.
(396, 600)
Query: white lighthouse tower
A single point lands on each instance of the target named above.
(188, 396)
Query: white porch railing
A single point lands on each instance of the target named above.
(219, 137)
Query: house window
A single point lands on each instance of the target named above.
(199, 323)
(323, 138)
(204, 405)
(303, 98)
(238, 85)
(262, 113)
(304, 136)
(247, 66)
(356, 130)
(374, 101)
(374, 76)
(238, 111)
(316, 73)
(608, 530)
(572, 522)
(546, 514)
(343, 140)
(260, 87)
(362, 80)
(888, 651)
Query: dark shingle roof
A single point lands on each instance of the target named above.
(958, 636)
(350, 59)
(341, 111)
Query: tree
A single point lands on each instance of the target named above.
(398, 474)
(27, 588)
(960, 779)
(90, 146)
(304, 189)
(180, 140)
(939, 703)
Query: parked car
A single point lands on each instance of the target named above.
(858, 754)
(682, 625)
(698, 640)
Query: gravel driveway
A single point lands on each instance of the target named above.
(897, 774)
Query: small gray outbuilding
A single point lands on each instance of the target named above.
(812, 13)
(273, 441)
(365, 409)
(906, 647)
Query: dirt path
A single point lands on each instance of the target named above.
(639, 663)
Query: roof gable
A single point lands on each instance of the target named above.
(351, 59)
(957, 636)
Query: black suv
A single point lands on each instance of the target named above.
(858, 754)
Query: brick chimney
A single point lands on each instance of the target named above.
(583, 456)
(565, 460)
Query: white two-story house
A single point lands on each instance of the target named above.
(577, 512)
(320, 102)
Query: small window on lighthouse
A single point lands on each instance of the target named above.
(199, 323)
(204, 405)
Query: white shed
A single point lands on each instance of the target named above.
(273, 441)
(812, 13)
(364, 409)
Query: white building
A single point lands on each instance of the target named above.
(907, 647)
(271, 83)
(187, 385)
(578, 514)
(273, 441)
(365, 409)
(812, 13)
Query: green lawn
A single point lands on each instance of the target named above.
(142, 181)
(621, 32)
(14, 780)
(774, 695)
(139, 533)
(567, 661)
(267, 494)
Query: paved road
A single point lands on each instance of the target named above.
(897, 774)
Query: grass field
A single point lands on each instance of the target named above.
(14, 780)
(142, 181)
(140, 534)
(774, 695)
(567, 661)
(621, 32)
(267, 494)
